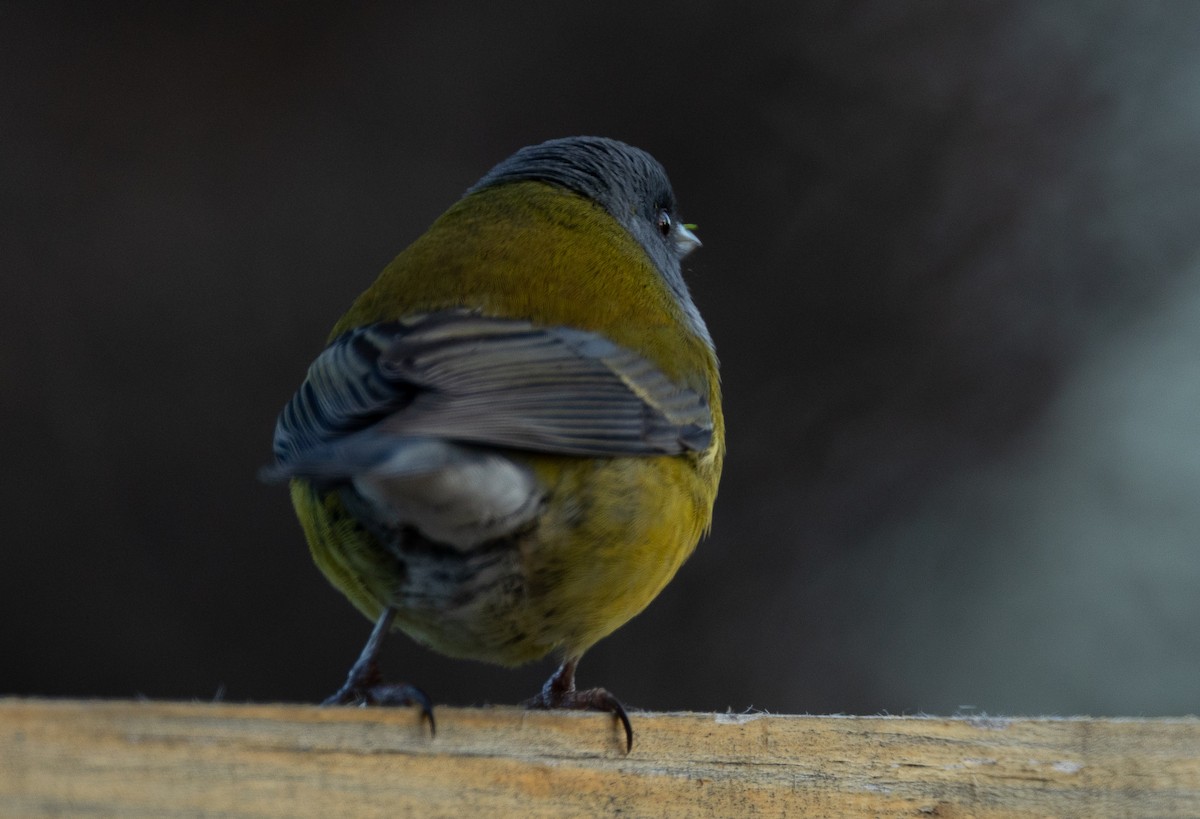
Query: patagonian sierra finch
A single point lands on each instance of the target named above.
(514, 437)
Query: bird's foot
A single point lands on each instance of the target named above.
(365, 686)
(559, 692)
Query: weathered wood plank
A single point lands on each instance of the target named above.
(173, 759)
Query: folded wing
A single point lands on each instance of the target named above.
(458, 377)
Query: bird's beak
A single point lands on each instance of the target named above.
(685, 240)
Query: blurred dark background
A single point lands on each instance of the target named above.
(951, 265)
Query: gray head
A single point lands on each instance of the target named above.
(628, 183)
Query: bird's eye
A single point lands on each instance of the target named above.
(664, 222)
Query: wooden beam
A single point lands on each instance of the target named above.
(119, 758)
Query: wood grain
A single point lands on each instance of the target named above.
(115, 758)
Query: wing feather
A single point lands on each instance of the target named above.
(465, 378)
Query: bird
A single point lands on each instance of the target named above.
(514, 436)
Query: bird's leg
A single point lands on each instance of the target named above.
(365, 686)
(559, 692)
(364, 675)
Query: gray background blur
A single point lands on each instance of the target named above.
(951, 266)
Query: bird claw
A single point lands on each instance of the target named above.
(592, 699)
(365, 687)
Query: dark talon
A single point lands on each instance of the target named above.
(403, 694)
(559, 692)
(364, 684)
